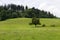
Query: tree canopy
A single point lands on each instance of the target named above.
(19, 11)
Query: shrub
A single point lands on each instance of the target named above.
(53, 25)
(43, 25)
(35, 21)
(30, 24)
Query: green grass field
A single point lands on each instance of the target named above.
(19, 29)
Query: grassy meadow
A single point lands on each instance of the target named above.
(19, 29)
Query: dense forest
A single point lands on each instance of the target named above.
(19, 11)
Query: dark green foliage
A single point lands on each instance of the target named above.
(43, 25)
(35, 20)
(26, 7)
(16, 11)
(52, 25)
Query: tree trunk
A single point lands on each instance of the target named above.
(35, 25)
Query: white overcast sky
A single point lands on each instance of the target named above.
(48, 5)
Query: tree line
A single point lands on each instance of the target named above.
(19, 11)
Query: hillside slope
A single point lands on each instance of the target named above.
(24, 23)
(19, 29)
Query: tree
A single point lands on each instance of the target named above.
(35, 20)
(18, 7)
(26, 7)
(16, 11)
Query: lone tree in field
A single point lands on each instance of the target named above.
(35, 20)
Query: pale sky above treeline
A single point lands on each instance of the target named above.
(48, 5)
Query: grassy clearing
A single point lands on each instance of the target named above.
(19, 29)
(31, 34)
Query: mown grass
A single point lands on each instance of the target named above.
(19, 29)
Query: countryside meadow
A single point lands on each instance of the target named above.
(28, 22)
(19, 29)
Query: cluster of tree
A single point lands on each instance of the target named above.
(19, 11)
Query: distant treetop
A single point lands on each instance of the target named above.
(19, 11)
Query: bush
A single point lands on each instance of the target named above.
(30, 24)
(43, 25)
(52, 25)
(35, 21)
